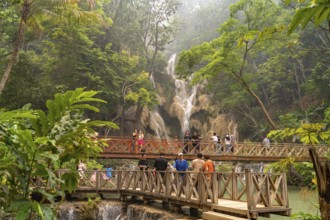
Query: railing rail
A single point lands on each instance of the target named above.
(173, 146)
(264, 190)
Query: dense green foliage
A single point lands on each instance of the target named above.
(37, 144)
(255, 68)
(253, 60)
(76, 52)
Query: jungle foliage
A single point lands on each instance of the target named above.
(36, 144)
(254, 67)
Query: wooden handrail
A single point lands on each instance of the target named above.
(124, 145)
(266, 189)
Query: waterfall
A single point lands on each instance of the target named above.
(103, 210)
(254, 167)
(157, 122)
(184, 99)
(185, 96)
(110, 211)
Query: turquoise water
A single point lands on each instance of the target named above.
(300, 200)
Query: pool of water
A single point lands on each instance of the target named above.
(300, 200)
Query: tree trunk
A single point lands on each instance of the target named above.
(138, 115)
(239, 77)
(322, 171)
(262, 85)
(261, 104)
(17, 46)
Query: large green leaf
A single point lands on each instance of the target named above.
(70, 182)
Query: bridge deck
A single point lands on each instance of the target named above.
(241, 208)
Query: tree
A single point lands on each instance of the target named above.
(58, 10)
(251, 28)
(317, 11)
(145, 26)
(311, 134)
(35, 143)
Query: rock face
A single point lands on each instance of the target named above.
(112, 210)
(102, 210)
(184, 107)
(149, 213)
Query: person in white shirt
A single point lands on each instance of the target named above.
(81, 169)
(227, 143)
(266, 142)
(214, 139)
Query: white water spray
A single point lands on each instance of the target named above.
(185, 96)
(157, 124)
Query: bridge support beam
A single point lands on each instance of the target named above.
(175, 208)
(146, 201)
(193, 211)
(123, 198)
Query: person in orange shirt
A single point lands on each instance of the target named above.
(208, 167)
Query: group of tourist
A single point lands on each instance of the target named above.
(180, 164)
(219, 145)
(82, 168)
(191, 143)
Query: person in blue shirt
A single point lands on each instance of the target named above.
(181, 165)
(109, 172)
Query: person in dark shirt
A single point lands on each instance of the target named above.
(143, 163)
(161, 164)
(186, 139)
(195, 142)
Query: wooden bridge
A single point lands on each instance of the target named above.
(125, 147)
(227, 195)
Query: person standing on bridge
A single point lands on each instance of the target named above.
(181, 165)
(186, 139)
(134, 138)
(143, 162)
(197, 166)
(214, 139)
(208, 167)
(141, 141)
(81, 168)
(195, 142)
(266, 142)
(161, 164)
(227, 143)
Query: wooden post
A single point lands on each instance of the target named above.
(215, 187)
(269, 193)
(119, 186)
(322, 171)
(200, 187)
(143, 180)
(249, 189)
(285, 190)
(167, 184)
(234, 185)
(98, 177)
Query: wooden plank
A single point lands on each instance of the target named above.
(219, 216)
(236, 207)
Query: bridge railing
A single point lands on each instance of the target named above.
(173, 146)
(257, 189)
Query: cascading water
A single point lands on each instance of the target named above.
(158, 124)
(185, 96)
(103, 210)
